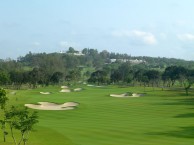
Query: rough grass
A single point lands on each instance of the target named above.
(158, 118)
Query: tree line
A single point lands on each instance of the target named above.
(43, 69)
(134, 76)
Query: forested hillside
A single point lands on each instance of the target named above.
(92, 66)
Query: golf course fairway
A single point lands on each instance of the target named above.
(156, 118)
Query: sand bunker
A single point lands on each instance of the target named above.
(126, 95)
(99, 86)
(64, 87)
(137, 95)
(65, 91)
(53, 106)
(45, 93)
(94, 86)
(77, 89)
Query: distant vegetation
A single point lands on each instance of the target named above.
(95, 67)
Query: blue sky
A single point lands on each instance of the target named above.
(162, 28)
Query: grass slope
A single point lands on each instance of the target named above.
(158, 118)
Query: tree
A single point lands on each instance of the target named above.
(86, 75)
(98, 77)
(139, 76)
(173, 74)
(71, 50)
(85, 51)
(55, 78)
(4, 78)
(16, 78)
(145, 81)
(126, 72)
(38, 76)
(93, 52)
(22, 120)
(104, 54)
(153, 77)
(169, 75)
(115, 76)
(188, 80)
(19, 119)
(178, 73)
(74, 75)
(3, 101)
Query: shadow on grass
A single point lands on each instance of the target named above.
(180, 92)
(185, 101)
(178, 89)
(187, 115)
(183, 132)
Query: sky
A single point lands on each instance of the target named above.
(157, 28)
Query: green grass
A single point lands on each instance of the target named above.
(158, 118)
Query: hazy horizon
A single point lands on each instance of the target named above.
(163, 28)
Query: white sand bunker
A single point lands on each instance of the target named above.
(65, 91)
(64, 87)
(53, 106)
(77, 89)
(127, 95)
(45, 93)
(94, 86)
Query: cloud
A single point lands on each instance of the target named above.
(186, 37)
(145, 37)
